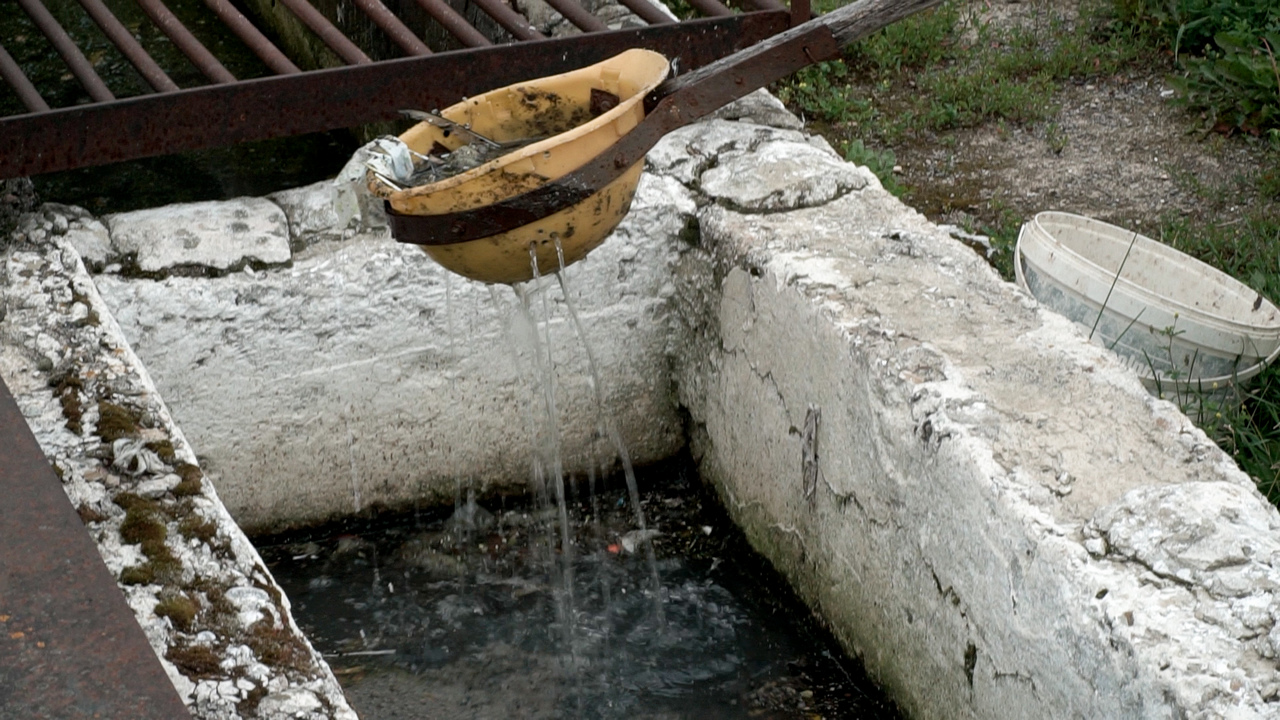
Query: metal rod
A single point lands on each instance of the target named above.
(26, 92)
(71, 646)
(327, 33)
(252, 37)
(284, 105)
(578, 15)
(128, 46)
(510, 20)
(79, 64)
(392, 26)
(710, 8)
(454, 23)
(801, 12)
(198, 54)
(648, 12)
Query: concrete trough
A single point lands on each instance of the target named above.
(984, 507)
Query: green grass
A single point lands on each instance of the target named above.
(944, 69)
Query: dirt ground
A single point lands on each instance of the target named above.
(1119, 149)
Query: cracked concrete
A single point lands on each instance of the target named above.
(1004, 523)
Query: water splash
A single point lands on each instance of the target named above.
(611, 431)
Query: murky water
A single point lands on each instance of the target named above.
(455, 614)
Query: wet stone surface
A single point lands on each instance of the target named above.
(462, 614)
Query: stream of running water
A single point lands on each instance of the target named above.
(618, 597)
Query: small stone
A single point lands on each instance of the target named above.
(293, 702)
(228, 689)
(1096, 547)
(206, 637)
(158, 487)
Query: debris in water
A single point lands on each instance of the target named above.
(634, 539)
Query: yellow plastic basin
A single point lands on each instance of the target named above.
(557, 107)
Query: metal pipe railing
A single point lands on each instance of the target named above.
(710, 8)
(391, 25)
(197, 53)
(646, 11)
(510, 20)
(454, 23)
(129, 46)
(252, 37)
(62, 42)
(14, 76)
(328, 34)
(578, 15)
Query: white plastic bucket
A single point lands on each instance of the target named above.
(1179, 323)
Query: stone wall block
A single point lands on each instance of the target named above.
(219, 236)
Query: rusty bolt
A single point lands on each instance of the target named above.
(458, 227)
(619, 161)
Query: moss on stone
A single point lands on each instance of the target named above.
(163, 450)
(191, 480)
(198, 528)
(143, 574)
(195, 661)
(89, 515)
(277, 647)
(66, 387)
(142, 524)
(115, 422)
(180, 608)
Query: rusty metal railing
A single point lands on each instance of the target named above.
(397, 69)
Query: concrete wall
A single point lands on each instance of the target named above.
(354, 372)
(987, 509)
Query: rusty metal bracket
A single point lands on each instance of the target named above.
(673, 104)
(70, 647)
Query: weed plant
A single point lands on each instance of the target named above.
(1226, 51)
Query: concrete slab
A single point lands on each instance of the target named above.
(989, 510)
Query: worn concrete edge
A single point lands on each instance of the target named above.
(217, 620)
(986, 508)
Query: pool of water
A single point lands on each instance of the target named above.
(481, 613)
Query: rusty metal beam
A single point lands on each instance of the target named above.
(70, 647)
(282, 106)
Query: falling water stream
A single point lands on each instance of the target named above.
(627, 596)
